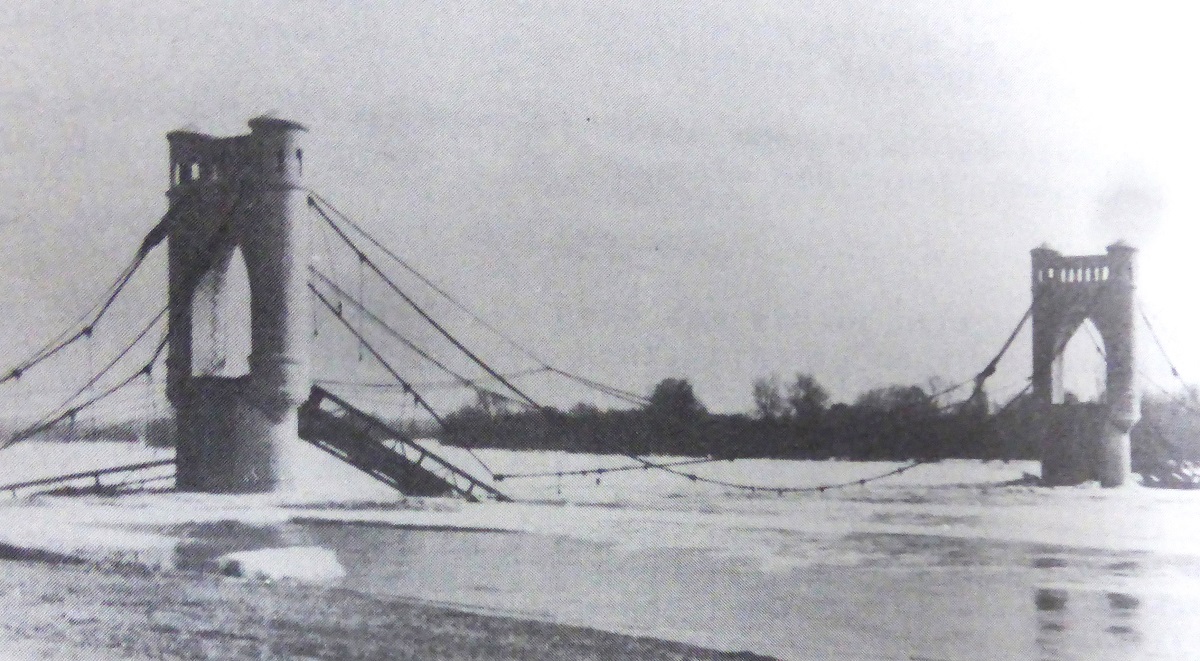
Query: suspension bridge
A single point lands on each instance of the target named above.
(239, 212)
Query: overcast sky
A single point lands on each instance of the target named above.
(638, 190)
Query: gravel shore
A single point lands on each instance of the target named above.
(67, 611)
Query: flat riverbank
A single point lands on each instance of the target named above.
(74, 611)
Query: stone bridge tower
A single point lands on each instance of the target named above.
(237, 204)
(1066, 291)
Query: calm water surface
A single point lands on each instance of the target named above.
(854, 597)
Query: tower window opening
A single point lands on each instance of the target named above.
(300, 161)
(279, 161)
(221, 324)
(194, 174)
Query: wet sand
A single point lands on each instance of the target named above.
(76, 612)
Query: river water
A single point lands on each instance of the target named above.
(880, 596)
(950, 562)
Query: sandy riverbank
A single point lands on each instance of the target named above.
(69, 611)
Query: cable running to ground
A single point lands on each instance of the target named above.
(94, 316)
(70, 413)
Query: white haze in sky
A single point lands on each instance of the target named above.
(643, 189)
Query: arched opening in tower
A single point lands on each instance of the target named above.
(221, 319)
(1080, 368)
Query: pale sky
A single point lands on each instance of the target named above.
(638, 190)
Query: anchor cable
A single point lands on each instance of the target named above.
(94, 316)
(71, 412)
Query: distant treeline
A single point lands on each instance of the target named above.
(894, 423)
(157, 432)
(795, 421)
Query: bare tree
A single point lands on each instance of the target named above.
(806, 397)
(769, 402)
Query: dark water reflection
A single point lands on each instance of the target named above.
(1083, 623)
(1070, 629)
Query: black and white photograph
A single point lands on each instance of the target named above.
(827, 330)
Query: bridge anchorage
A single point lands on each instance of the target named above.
(1083, 443)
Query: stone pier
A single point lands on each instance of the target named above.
(237, 205)
(1066, 291)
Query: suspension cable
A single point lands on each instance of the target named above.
(624, 395)
(66, 405)
(312, 201)
(990, 369)
(71, 412)
(67, 338)
(551, 414)
(465, 381)
(1158, 343)
(430, 385)
(823, 487)
(366, 313)
(616, 393)
(93, 317)
(408, 389)
(612, 391)
(149, 242)
(424, 315)
(428, 282)
(602, 471)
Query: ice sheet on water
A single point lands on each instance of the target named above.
(33, 460)
(309, 564)
(650, 509)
